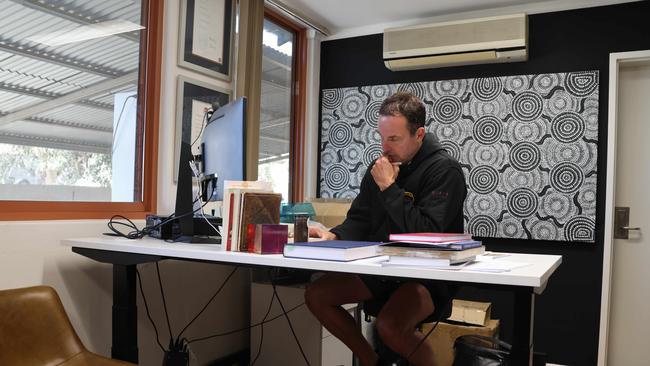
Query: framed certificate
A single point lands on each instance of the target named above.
(206, 37)
(193, 100)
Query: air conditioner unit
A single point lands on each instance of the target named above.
(464, 42)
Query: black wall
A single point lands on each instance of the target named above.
(567, 314)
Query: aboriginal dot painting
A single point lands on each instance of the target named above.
(527, 145)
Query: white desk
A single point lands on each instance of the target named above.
(124, 254)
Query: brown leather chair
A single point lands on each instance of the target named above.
(35, 331)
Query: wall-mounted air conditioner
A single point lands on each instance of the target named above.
(464, 42)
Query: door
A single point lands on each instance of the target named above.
(629, 297)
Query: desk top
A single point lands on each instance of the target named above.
(535, 275)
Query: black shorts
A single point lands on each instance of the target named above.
(382, 288)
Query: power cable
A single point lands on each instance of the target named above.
(208, 303)
(295, 337)
(259, 348)
(146, 306)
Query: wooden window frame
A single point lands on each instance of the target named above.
(146, 166)
(298, 105)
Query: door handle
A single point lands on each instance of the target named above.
(622, 222)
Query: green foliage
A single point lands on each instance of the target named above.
(54, 166)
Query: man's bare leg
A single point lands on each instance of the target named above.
(398, 320)
(324, 298)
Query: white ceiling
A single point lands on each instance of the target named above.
(345, 18)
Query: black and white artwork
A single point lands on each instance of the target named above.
(527, 145)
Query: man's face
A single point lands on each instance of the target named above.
(397, 142)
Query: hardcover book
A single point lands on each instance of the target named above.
(444, 245)
(257, 208)
(429, 237)
(332, 250)
(405, 250)
(230, 211)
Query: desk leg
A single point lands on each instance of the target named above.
(522, 339)
(125, 314)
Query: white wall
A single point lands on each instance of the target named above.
(31, 254)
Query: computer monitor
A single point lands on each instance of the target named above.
(223, 148)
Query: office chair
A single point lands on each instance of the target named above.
(35, 331)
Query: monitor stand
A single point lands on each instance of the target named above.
(185, 201)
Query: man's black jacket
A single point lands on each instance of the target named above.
(427, 196)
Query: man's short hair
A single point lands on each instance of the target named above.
(407, 105)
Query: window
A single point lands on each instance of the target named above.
(282, 106)
(78, 80)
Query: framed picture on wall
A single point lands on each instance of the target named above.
(193, 100)
(206, 37)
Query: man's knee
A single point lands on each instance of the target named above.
(313, 296)
(394, 324)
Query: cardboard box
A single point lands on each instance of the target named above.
(470, 312)
(330, 212)
(443, 337)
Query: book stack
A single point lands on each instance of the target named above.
(437, 250)
(247, 202)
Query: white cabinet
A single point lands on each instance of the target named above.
(278, 344)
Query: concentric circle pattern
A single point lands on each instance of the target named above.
(379, 92)
(544, 83)
(447, 87)
(487, 89)
(582, 83)
(557, 205)
(561, 101)
(353, 106)
(578, 152)
(452, 148)
(476, 154)
(545, 230)
(525, 156)
(511, 179)
(566, 177)
(511, 228)
(337, 177)
(340, 134)
(568, 127)
(483, 179)
(483, 225)
(372, 153)
(517, 83)
(332, 98)
(527, 106)
(522, 202)
(416, 89)
(447, 110)
(527, 146)
(491, 204)
(352, 155)
(488, 130)
(579, 228)
(372, 113)
(448, 132)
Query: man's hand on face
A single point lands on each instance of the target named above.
(384, 172)
(317, 232)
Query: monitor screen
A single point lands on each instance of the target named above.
(223, 147)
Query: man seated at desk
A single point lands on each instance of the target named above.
(415, 186)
